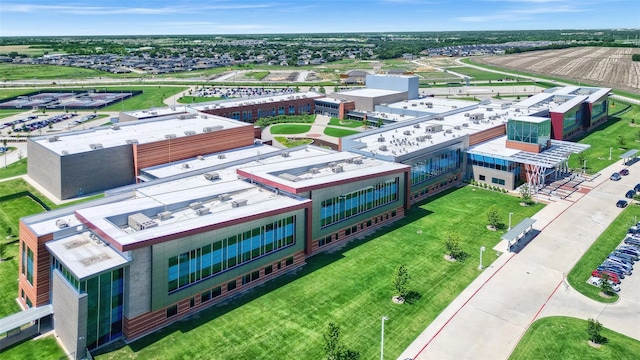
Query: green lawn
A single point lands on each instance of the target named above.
(41, 349)
(596, 254)
(198, 99)
(152, 96)
(8, 112)
(40, 72)
(605, 137)
(14, 169)
(9, 93)
(286, 318)
(345, 123)
(290, 129)
(477, 74)
(258, 75)
(566, 338)
(338, 132)
(292, 142)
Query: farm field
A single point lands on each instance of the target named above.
(607, 67)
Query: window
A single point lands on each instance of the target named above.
(216, 292)
(246, 279)
(27, 263)
(192, 302)
(436, 164)
(206, 296)
(255, 275)
(268, 270)
(497, 181)
(29, 303)
(289, 261)
(481, 177)
(172, 310)
(231, 285)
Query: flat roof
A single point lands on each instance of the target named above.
(531, 119)
(85, 255)
(518, 229)
(370, 93)
(569, 104)
(142, 131)
(156, 112)
(301, 175)
(215, 196)
(221, 104)
(431, 105)
(24, 317)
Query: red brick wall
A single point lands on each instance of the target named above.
(38, 293)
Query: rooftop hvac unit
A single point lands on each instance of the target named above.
(417, 126)
(381, 139)
(189, 132)
(420, 138)
(173, 108)
(64, 152)
(337, 169)
(238, 203)
(209, 129)
(349, 161)
(428, 136)
(429, 105)
(407, 132)
(170, 136)
(115, 127)
(224, 197)
(314, 170)
(285, 154)
(53, 138)
(438, 118)
(517, 110)
(195, 205)
(202, 211)
(357, 161)
(200, 157)
(61, 223)
(466, 114)
(465, 125)
(457, 127)
(382, 148)
(476, 122)
(404, 107)
(489, 109)
(165, 215)
(448, 131)
(332, 164)
(131, 141)
(203, 116)
(141, 221)
(221, 156)
(414, 104)
(187, 116)
(212, 176)
(454, 106)
(184, 166)
(95, 146)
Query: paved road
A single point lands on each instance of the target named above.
(488, 319)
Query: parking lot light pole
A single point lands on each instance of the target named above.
(482, 248)
(510, 220)
(584, 167)
(384, 318)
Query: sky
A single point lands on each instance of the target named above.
(182, 17)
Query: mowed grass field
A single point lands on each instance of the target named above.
(40, 72)
(336, 132)
(566, 338)
(352, 287)
(477, 74)
(290, 129)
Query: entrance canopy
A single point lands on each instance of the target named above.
(518, 232)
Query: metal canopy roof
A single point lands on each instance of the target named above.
(24, 317)
(517, 230)
(628, 154)
(552, 157)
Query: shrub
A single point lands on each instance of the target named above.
(452, 246)
(594, 327)
(493, 217)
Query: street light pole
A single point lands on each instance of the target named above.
(584, 167)
(510, 220)
(482, 248)
(384, 318)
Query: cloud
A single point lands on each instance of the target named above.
(106, 10)
(521, 12)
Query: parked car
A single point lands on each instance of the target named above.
(629, 249)
(615, 177)
(626, 262)
(630, 194)
(612, 276)
(627, 257)
(616, 264)
(597, 281)
(630, 240)
(612, 269)
(624, 172)
(621, 203)
(635, 254)
(637, 188)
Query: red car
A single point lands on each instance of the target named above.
(613, 277)
(624, 172)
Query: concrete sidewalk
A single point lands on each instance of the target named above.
(487, 320)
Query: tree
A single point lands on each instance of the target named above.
(400, 280)
(621, 141)
(525, 194)
(635, 57)
(452, 246)
(594, 327)
(493, 217)
(379, 123)
(605, 285)
(333, 350)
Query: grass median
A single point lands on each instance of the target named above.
(287, 317)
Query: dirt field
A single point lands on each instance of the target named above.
(607, 67)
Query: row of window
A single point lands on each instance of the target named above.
(348, 231)
(571, 122)
(494, 180)
(247, 115)
(204, 262)
(217, 291)
(436, 165)
(434, 187)
(354, 203)
(27, 263)
(527, 132)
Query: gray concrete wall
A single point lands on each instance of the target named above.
(70, 313)
(137, 283)
(95, 171)
(44, 167)
(508, 177)
(407, 84)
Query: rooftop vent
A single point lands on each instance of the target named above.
(428, 136)
(285, 154)
(170, 136)
(184, 166)
(202, 211)
(457, 127)
(381, 139)
(357, 161)
(212, 176)
(53, 138)
(61, 223)
(189, 132)
(141, 221)
(337, 169)
(332, 164)
(187, 116)
(115, 127)
(429, 105)
(195, 205)
(200, 157)
(224, 197)
(417, 126)
(64, 152)
(465, 125)
(420, 138)
(407, 132)
(314, 170)
(438, 118)
(209, 129)
(165, 215)
(95, 146)
(448, 131)
(131, 141)
(382, 148)
(238, 203)
(221, 156)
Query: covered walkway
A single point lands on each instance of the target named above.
(13, 328)
(519, 235)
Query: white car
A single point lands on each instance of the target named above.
(595, 281)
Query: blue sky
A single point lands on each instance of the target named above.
(151, 17)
